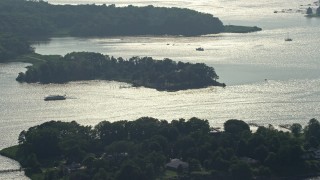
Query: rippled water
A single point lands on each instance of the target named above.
(89, 102)
(290, 94)
(237, 58)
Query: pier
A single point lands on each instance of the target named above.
(10, 170)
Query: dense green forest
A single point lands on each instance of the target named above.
(39, 18)
(159, 74)
(12, 46)
(140, 149)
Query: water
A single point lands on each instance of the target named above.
(236, 57)
(243, 61)
(9, 126)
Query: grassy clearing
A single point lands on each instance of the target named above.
(34, 58)
(10, 152)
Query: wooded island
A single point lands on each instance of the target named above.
(158, 74)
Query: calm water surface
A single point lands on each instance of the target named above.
(290, 94)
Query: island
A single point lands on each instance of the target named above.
(150, 149)
(34, 19)
(164, 74)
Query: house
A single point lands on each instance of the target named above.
(175, 164)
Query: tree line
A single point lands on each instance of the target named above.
(12, 46)
(159, 74)
(310, 13)
(140, 149)
(39, 18)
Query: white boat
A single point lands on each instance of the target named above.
(54, 97)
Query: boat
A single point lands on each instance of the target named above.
(288, 38)
(55, 97)
(199, 49)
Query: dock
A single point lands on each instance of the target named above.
(10, 170)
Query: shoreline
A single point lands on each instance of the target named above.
(44, 163)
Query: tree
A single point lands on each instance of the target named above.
(313, 142)
(296, 129)
(242, 149)
(32, 161)
(240, 170)
(235, 126)
(271, 160)
(22, 137)
(44, 143)
(260, 153)
(119, 147)
(318, 11)
(194, 165)
(195, 124)
(12, 46)
(312, 129)
(101, 174)
(309, 11)
(131, 171)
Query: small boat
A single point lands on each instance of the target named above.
(288, 38)
(55, 97)
(199, 49)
